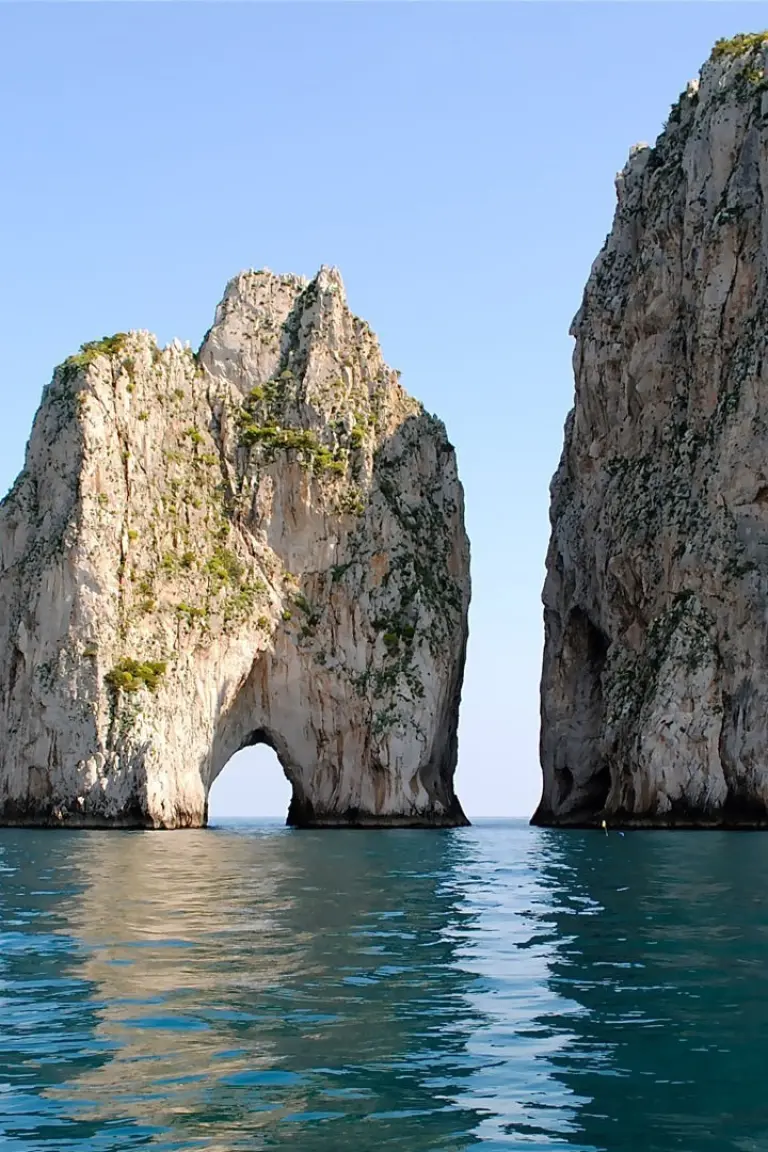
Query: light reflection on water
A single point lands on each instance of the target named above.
(250, 987)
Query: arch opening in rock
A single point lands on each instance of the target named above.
(252, 785)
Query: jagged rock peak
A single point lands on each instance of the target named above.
(654, 690)
(262, 542)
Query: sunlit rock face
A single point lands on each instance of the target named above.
(260, 542)
(654, 695)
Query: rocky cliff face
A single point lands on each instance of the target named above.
(655, 680)
(261, 542)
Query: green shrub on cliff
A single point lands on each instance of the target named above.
(107, 346)
(130, 675)
(225, 569)
(739, 45)
(303, 440)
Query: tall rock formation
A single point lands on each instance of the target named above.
(654, 696)
(259, 543)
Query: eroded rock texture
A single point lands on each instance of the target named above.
(655, 679)
(262, 542)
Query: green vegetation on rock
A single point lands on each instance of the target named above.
(107, 346)
(190, 612)
(739, 45)
(273, 437)
(131, 675)
(267, 422)
(224, 568)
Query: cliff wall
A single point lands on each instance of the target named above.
(654, 693)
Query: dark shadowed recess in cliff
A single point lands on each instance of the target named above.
(586, 647)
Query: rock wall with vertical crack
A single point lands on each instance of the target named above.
(654, 694)
(260, 542)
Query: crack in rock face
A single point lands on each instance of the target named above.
(262, 542)
(654, 691)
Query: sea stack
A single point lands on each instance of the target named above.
(261, 542)
(654, 693)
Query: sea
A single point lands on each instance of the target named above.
(253, 987)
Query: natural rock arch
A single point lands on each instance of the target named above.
(252, 785)
(262, 541)
(348, 784)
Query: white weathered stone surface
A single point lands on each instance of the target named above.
(655, 678)
(277, 527)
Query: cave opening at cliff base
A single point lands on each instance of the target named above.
(252, 785)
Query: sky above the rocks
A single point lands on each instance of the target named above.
(455, 161)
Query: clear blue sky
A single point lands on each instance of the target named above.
(455, 161)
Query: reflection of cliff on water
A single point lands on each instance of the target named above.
(663, 948)
(47, 1017)
(238, 987)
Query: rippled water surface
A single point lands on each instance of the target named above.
(249, 987)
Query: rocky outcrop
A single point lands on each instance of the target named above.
(260, 542)
(654, 695)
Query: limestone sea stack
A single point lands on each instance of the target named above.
(654, 693)
(262, 542)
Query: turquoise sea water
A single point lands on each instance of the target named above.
(500, 987)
